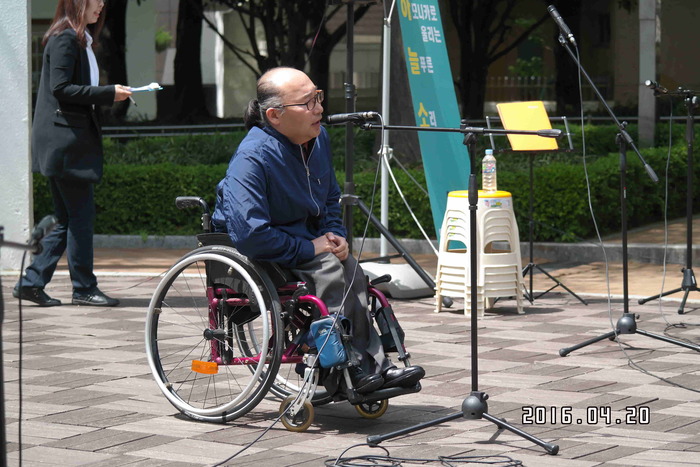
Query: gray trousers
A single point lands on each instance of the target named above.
(331, 280)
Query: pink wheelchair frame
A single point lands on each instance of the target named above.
(223, 331)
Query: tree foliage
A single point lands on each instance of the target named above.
(295, 33)
(485, 30)
(566, 85)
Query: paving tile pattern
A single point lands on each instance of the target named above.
(88, 397)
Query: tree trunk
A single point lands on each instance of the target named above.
(113, 52)
(473, 88)
(404, 143)
(319, 65)
(189, 90)
(566, 85)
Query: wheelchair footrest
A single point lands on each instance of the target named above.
(356, 398)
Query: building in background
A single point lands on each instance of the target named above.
(608, 42)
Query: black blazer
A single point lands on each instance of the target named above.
(66, 135)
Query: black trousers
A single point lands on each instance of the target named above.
(74, 207)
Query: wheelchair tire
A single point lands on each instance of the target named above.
(213, 334)
(373, 409)
(301, 421)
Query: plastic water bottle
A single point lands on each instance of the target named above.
(488, 172)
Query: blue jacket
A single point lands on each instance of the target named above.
(273, 203)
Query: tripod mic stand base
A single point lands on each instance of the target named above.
(688, 285)
(530, 296)
(627, 324)
(474, 407)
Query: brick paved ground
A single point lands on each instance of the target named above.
(88, 397)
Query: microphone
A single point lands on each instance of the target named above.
(655, 86)
(553, 133)
(41, 230)
(351, 117)
(565, 31)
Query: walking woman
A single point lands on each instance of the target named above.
(67, 148)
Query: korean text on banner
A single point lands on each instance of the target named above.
(445, 158)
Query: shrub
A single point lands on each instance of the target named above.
(143, 177)
(140, 200)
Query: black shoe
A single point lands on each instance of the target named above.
(403, 377)
(364, 383)
(35, 295)
(94, 298)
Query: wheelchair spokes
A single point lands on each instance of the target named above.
(212, 336)
(218, 338)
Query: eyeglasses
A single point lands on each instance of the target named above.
(311, 103)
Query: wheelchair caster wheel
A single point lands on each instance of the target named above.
(299, 421)
(374, 409)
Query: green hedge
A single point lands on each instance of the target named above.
(139, 199)
(217, 148)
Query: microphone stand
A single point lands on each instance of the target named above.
(469, 133)
(349, 199)
(689, 283)
(43, 228)
(32, 247)
(474, 407)
(627, 323)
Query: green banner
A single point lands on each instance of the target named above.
(445, 158)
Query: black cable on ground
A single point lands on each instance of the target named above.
(347, 291)
(370, 460)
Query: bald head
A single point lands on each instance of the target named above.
(279, 80)
(282, 96)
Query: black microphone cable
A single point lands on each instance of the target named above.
(336, 318)
(392, 461)
(669, 325)
(20, 331)
(318, 32)
(631, 363)
(38, 233)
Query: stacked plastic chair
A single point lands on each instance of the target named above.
(498, 246)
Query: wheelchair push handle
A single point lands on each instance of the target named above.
(188, 202)
(380, 280)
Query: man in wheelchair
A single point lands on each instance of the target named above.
(280, 202)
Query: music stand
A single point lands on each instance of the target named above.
(531, 115)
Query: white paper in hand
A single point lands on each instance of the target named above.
(150, 87)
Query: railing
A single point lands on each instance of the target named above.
(136, 131)
(361, 80)
(166, 130)
(541, 88)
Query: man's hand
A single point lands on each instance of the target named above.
(322, 245)
(340, 246)
(331, 243)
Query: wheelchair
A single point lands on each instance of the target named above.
(223, 331)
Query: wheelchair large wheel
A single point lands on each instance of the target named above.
(213, 336)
